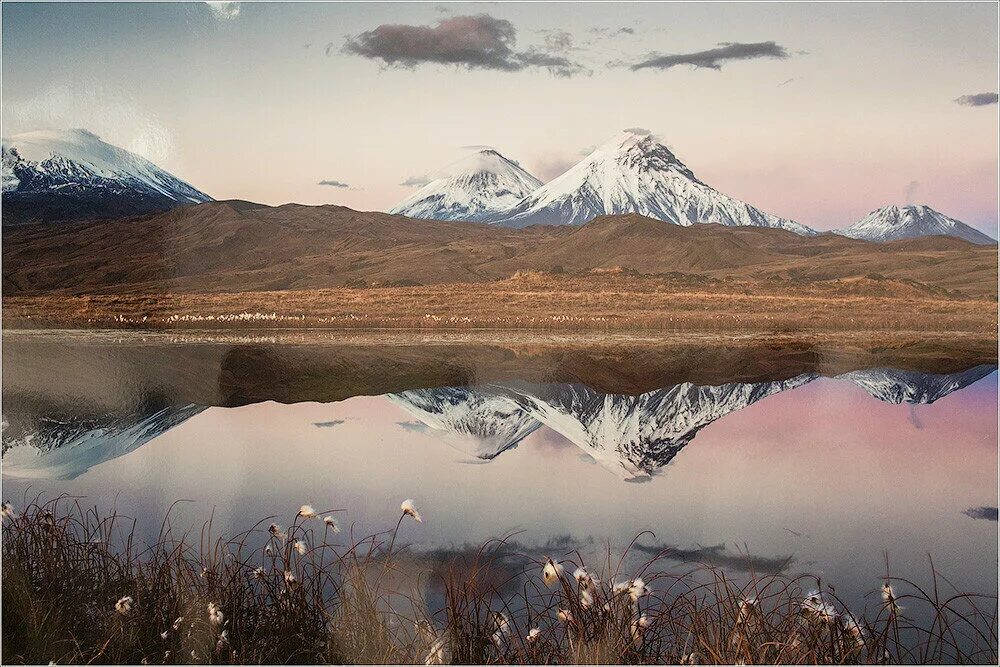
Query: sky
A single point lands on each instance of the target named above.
(815, 112)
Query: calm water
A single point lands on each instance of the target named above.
(806, 474)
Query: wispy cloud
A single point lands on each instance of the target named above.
(785, 82)
(977, 99)
(224, 11)
(714, 58)
(417, 181)
(473, 42)
(329, 424)
(334, 184)
(985, 513)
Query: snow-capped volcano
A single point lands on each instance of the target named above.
(73, 174)
(473, 188)
(474, 421)
(892, 223)
(635, 173)
(894, 386)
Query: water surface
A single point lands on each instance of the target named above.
(814, 472)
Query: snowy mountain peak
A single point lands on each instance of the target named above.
(475, 187)
(892, 223)
(70, 174)
(635, 172)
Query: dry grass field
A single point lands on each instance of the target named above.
(602, 300)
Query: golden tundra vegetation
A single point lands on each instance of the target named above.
(81, 587)
(236, 263)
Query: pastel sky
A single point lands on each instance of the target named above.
(816, 112)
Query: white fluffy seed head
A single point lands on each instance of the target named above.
(410, 509)
(551, 572)
(124, 605)
(307, 512)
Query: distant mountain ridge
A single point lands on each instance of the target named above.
(632, 173)
(894, 223)
(54, 176)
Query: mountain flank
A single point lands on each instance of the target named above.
(240, 246)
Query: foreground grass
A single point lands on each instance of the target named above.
(78, 588)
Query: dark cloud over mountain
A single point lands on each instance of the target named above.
(474, 42)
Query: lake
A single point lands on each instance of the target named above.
(779, 459)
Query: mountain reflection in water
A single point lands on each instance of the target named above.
(632, 436)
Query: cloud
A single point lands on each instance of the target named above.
(611, 32)
(333, 183)
(985, 513)
(713, 58)
(224, 11)
(417, 181)
(100, 109)
(329, 48)
(977, 99)
(785, 82)
(473, 42)
(549, 167)
(639, 130)
(329, 424)
(477, 147)
(910, 193)
(560, 42)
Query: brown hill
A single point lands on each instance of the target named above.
(240, 246)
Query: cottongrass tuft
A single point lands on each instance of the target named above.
(307, 512)
(502, 628)
(816, 608)
(276, 532)
(889, 598)
(215, 615)
(552, 571)
(7, 510)
(332, 523)
(410, 509)
(533, 635)
(637, 589)
(124, 605)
